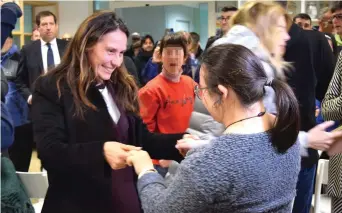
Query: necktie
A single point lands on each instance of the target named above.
(50, 60)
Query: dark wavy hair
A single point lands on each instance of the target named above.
(75, 70)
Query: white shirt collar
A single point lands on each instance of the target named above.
(52, 42)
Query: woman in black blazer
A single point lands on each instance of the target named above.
(85, 119)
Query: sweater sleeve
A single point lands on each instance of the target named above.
(149, 106)
(332, 103)
(182, 195)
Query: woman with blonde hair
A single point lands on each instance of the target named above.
(263, 28)
(86, 118)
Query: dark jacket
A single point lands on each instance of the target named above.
(15, 103)
(4, 86)
(313, 61)
(31, 65)
(141, 60)
(71, 149)
(7, 128)
(129, 52)
(131, 68)
(150, 71)
(199, 53)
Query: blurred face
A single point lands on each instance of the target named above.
(107, 54)
(47, 28)
(148, 45)
(337, 21)
(156, 54)
(303, 23)
(281, 37)
(173, 58)
(35, 35)
(224, 20)
(325, 23)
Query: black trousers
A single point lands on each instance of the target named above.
(21, 151)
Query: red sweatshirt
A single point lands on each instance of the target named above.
(166, 106)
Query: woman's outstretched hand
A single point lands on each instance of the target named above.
(320, 139)
(116, 154)
(141, 161)
(189, 142)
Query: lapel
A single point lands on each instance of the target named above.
(61, 48)
(101, 114)
(38, 52)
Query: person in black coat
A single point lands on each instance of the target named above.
(35, 59)
(132, 69)
(85, 121)
(313, 61)
(145, 53)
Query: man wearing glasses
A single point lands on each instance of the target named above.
(336, 11)
(226, 14)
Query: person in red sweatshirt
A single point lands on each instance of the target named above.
(167, 101)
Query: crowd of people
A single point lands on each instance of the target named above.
(110, 120)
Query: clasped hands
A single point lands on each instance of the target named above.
(120, 155)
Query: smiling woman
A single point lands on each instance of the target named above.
(86, 120)
(107, 54)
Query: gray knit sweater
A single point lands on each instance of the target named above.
(235, 173)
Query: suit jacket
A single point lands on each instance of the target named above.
(131, 68)
(71, 149)
(313, 60)
(31, 65)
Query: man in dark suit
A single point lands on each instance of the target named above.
(313, 60)
(36, 58)
(41, 55)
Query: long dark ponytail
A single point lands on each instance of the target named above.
(286, 129)
(237, 67)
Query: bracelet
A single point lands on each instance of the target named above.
(145, 171)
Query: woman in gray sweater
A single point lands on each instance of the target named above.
(253, 166)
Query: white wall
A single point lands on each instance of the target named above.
(130, 4)
(177, 15)
(211, 19)
(155, 19)
(145, 20)
(203, 32)
(72, 14)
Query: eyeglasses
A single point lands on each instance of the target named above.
(222, 18)
(338, 16)
(200, 91)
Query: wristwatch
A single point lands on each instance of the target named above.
(145, 171)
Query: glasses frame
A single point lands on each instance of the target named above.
(198, 89)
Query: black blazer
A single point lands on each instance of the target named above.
(71, 149)
(313, 61)
(31, 65)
